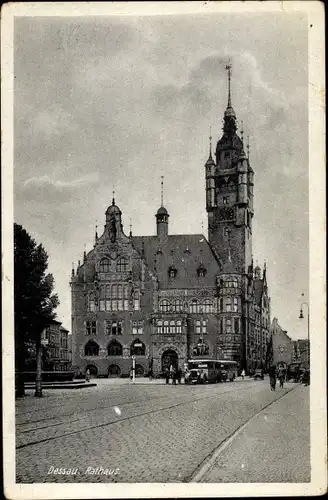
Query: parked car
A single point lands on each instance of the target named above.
(258, 374)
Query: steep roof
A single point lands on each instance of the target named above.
(185, 253)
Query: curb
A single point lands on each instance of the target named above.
(209, 461)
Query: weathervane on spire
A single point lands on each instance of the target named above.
(130, 227)
(162, 187)
(113, 201)
(228, 68)
(210, 141)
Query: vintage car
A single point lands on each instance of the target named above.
(258, 375)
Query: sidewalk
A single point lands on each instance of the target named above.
(273, 447)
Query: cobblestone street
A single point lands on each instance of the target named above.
(140, 433)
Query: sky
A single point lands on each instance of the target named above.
(112, 103)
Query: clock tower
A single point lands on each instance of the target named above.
(229, 196)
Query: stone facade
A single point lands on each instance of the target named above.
(282, 344)
(168, 298)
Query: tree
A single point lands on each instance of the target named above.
(34, 301)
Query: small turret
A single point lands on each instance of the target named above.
(162, 218)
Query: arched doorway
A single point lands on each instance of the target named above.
(114, 371)
(169, 357)
(93, 370)
(139, 371)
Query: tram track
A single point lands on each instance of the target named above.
(118, 420)
(96, 408)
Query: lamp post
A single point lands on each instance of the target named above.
(301, 316)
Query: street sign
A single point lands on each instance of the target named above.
(44, 341)
(133, 357)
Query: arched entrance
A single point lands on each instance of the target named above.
(139, 371)
(114, 371)
(92, 369)
(169, 357)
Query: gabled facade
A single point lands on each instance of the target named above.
(168, 298)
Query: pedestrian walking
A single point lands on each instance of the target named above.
(281, 379)
(243, 374)
(174, 376)
(167, 376)
(131, 374)
(179, 375)
(273, 379)
(87, 375)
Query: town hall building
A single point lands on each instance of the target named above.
(167, 298)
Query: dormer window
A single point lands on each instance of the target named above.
(172, 272)
(201, 271)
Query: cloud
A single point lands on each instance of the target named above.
(45, 189)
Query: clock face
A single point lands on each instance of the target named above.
(226, 213)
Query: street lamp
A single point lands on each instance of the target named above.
(301, 316)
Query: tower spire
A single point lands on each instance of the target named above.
(210, 138)
(96, 232)
(228, 68)
(248, 146)
(162, 188)
(130, 227)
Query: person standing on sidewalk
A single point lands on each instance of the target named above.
(243, 374)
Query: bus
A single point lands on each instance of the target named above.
(202, 371)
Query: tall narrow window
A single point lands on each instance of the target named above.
(228, 325)
(137, 327)
(235, 304)
(237, 329)
(228, 304)
(107, 298)
(120, 297)
(221, 305)
(164, 305)
(172, 326)
(193, 306)
(179, 326)
(159, 326)
(177, 306)
(114, 297)
(166, 327)
(207, 306)
(221, 325)
(102, 305)
(122, 265)
(136, 300)
(198, 327)
(126, 298)
(104, 266)
(91, 302)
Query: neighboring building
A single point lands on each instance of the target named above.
(55, 341)
(167, 298)
(282, 344)
(301, 351)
